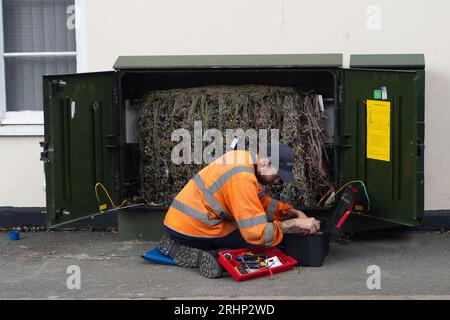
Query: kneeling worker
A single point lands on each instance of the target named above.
(223, 206)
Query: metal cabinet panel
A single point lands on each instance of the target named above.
(229, 61)
(81, 144)
(388, 61)
(396, 186)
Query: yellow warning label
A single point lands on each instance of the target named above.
(378, 130)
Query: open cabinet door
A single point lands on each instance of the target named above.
(81, 144)
(382, 135)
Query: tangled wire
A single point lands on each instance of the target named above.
(296, 115)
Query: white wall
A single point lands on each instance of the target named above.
(21, 172)
(144, 27)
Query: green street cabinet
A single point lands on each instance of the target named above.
(89, 125)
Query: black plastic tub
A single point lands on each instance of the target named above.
(309, 251)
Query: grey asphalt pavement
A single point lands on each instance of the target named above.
(414, 265)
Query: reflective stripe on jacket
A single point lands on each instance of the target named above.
(224, 196)
(275, 209)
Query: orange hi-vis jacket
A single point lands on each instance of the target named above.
(224, 196)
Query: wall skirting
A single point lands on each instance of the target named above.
(28, 218)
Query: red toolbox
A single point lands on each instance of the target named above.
(228, 259)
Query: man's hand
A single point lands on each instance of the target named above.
(300, 225)
(297, 214)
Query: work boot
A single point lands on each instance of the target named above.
(184, 256)
(166, 244)
(209, 264)
(188, 257)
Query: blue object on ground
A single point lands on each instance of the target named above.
(156, 256)
(14, 235)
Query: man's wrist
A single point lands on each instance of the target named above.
(288, 226)
(297, 214)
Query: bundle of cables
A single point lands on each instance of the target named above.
(362, 203)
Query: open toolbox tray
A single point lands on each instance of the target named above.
(229, 264)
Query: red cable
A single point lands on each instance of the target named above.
(345, 216)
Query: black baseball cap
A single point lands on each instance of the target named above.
(286, 161)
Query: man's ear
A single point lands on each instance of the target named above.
(265, 162)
